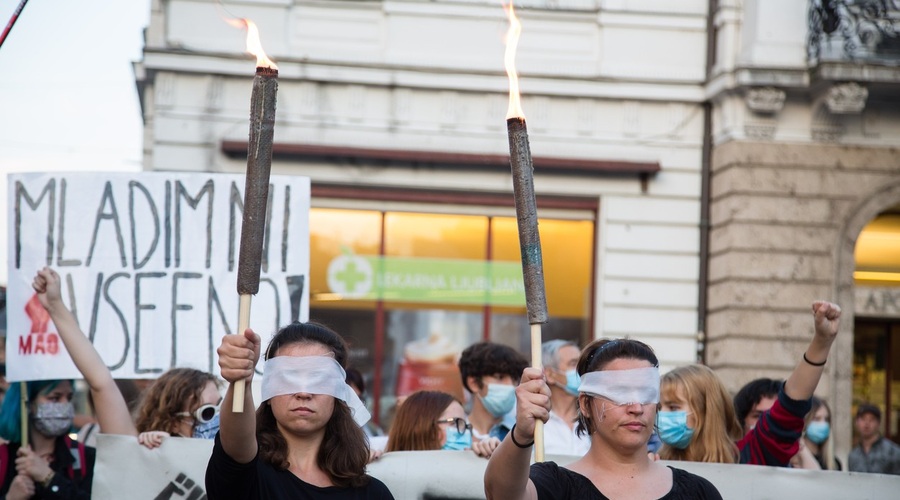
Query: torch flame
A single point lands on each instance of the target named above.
(512, 42)
(253, 44)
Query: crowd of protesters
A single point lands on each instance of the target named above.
(311, 436)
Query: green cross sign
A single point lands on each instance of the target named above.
(416, 279)
(350, 276)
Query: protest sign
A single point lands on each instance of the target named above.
(148, 265)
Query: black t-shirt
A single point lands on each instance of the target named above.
(226, 479)
(554, 482)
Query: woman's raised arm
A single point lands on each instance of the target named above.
(109, 404)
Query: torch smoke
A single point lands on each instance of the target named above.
(526, 214)
(256, 188)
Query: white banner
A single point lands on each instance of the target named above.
(175, 470)
(459, 474)
(148, 263)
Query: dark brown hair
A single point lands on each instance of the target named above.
(175, 391)
(415, 426)
(344, 451)
(751, 394)
(486, 359)
(600, 353)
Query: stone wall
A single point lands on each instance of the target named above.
(784, 222)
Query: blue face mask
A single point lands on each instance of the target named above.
(673, 428)
(817, 432)
(456, 440)
(500, 399)
(573, 380)
(207, 430)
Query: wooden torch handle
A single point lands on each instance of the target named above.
(237, 402)
(536, 363)
(23, 413)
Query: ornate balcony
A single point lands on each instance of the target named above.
(860, 31)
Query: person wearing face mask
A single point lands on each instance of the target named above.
(433, 420)
(815, 439)
(181, 402)
(490, 373)
(560, 358)
(51, 465)
(110, 408)
(698, 421)
(818, 432)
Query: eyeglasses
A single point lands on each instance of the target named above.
(461, 425)
(204, 414)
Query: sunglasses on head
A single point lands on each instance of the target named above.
(203, 414)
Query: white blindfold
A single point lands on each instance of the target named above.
(284, 375)
(639, 385)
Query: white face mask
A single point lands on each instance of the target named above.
(53, 419)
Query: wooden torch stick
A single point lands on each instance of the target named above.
(243, 323)
(256, 197)
(530, 247)
(23, 411)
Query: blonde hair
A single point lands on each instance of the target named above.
(716, 428)
(826, 449)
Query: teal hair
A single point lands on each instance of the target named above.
(10, 412)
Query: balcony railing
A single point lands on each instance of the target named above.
(863, 31)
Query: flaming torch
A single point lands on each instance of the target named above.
(256, 187)
(526, 210)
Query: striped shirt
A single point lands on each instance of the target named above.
(776, 437)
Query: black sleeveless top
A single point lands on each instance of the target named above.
(556, 483)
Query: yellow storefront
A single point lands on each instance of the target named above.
(366, 264)
(876, 340)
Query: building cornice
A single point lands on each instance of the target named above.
(206, 63)
(438, 159)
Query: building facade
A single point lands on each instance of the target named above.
(396, 110)
(806, 124)
(703, 170)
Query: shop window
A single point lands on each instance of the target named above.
(876, 349)
(410, 291)
(877, 252)
(876, 371)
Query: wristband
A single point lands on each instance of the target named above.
(811, 363)
(512, 436)
(47, 480)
